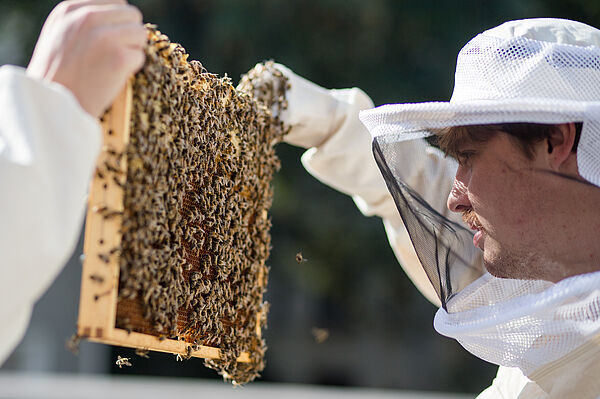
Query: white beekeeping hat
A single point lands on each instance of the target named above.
(535, 70)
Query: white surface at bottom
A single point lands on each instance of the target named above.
(71, 386)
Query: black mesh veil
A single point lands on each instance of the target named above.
(444, 248)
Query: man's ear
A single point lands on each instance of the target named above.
(560, 144)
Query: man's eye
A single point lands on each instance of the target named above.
(464, 157)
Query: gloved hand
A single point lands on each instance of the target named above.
(314, 113)
(91, 47)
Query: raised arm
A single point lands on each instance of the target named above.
(49, 141)
(340, 155)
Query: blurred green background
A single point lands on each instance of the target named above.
(380, 327)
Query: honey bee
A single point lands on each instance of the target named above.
(126, 324)
(142, 353)
(300, 258)
(104, 258)
(188, 353)
(118, 182)
(122, 361)
(99, 209)
(72, 344)
(320, 335)
(111, 214)
(98, 296)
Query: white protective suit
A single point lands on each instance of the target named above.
(340, 155)
(48, 149)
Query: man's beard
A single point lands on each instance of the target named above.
(504, 262)
(524, 266)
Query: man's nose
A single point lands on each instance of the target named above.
(458, 199)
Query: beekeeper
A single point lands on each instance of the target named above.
(503, 232)
(49, 140)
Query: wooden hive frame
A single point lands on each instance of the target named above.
(100, 275)
(177, 232)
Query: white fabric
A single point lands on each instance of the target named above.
(48, 148)
(523, 323)
(539, 71)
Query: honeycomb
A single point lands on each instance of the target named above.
(195, 224)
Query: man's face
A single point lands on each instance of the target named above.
(506, 198)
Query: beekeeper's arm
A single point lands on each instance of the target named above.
(340, 155)
(49, 140)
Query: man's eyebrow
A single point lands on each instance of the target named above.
(455, 145)
(454, 140)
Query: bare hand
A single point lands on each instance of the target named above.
(91, 47)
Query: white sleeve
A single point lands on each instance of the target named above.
(340, 155)
(48, 149)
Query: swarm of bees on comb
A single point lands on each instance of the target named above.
(196, 193)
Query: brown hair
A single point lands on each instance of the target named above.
(525, 135)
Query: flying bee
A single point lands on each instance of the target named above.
(320, 335)
(142, 353)
(300, 258)
(122, 361)
(72, 344)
